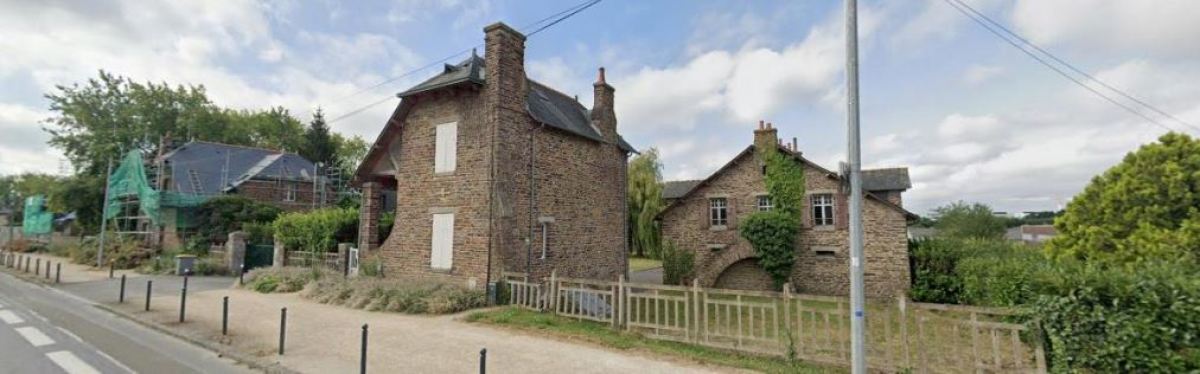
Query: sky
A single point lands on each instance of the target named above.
(971, 117)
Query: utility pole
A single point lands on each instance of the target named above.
(104, 216)
(858, 357)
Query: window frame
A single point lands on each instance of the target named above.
(445, 148)
(758, 202)
(823, 213)
(290, 191)
(718, 216)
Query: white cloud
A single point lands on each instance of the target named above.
(977, 74)
(1158, 28)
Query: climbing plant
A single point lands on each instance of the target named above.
(773, 233)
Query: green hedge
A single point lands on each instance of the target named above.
(317, 231)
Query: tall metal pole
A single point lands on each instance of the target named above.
(858, 357)
(104, 216)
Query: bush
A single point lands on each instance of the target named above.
(987, 272)
(934, 277)
(678, 265)
(394, 295)
(221, 215)
(283, 280)
(1146, 319)
(259, 232)
(210, 266)
(317, 231)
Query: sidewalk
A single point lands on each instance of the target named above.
(323, 338)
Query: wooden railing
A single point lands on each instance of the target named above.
(901, 335)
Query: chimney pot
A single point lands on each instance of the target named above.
(760, 124)
(600, 77)
(795, 146)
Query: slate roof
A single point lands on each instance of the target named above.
(545, 105)
(676, 189)
(208, 161)
(890, 179)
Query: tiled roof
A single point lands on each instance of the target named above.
(208, 161)
(545, 105)
(676, 189)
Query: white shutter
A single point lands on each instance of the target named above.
(446, 144)
(442, 250)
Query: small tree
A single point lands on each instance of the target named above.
(773, 233)
(645, 202)
(962, 220)
(678, 264)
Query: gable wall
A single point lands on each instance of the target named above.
(686, 225)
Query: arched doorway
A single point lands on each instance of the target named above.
(745, 275)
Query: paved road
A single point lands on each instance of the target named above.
(44, 330)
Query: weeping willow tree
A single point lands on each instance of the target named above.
(645, 202)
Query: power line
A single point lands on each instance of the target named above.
(557, 17)
(1056, 68)
(1073, 68)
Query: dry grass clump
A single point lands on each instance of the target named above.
(283, 280)
(394, 295)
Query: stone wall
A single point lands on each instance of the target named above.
(827, 272)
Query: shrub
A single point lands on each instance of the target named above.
(318, 230)
(210, 266)
(394, 295)
(678, 265)
(1002, 274)
(1146, 319)
(259, 232)
(283, 280)
(221, 215)
(933, 265)
(18, 245)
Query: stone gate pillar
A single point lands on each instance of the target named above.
(369, 213)
(235, 251)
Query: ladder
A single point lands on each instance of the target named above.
(193, 177)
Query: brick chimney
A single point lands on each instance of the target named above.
(765, 136)
(504, 56)
(603, 115)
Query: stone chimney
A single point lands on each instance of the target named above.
(765, 136)
(504, 56)
(603, 115)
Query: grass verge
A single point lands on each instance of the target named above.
(641, 263)
(597, 333)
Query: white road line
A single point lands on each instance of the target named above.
(10, 318)
(70, 363)
(69, 333)
(34, 336)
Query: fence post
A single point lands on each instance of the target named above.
(183, 299)
(552, 298)
(787, 320)
(282, 328)
(225, 316)
(701, 318)
(903, 304)
(618, 303)
(149, 285)
(362, 363)
(121, 295)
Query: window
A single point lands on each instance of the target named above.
(718, 212)
(763, 202)
(441, 254)
(825, 251)
(446, 144)
(289, 192)
(822, 209)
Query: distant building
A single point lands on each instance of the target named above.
(919, 233)
(1037, 233)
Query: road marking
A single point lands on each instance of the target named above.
(69, 333)
(10, 318)
(70, 363)
(34, 336)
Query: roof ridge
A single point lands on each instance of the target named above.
(237, 146)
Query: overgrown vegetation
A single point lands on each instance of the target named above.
(394, 295)
(597, 333)
(283, 279)
(963, 220)
(222, 215)
(678, 265)
(773, 233)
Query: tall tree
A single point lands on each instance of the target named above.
(1146, 207)
(349, 152)
(319, 145)
(963, 220)
(645, 202)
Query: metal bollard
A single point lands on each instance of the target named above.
(47, 269)
(282, 328)
(121, 297)
(242, 275)
(225, 316)
(483, 361)
(149, 285)
(183, 299)
(362, 363)
(37, 267)
(111, 268)
(58, 273)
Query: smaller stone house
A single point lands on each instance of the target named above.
(702, 216)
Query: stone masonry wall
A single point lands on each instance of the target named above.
(886, 273)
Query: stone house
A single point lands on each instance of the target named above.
(703, 217)
(285, 180)
(492, 171)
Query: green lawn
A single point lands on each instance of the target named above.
(598, 333)
(641, 263)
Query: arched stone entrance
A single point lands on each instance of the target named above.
(745, 274)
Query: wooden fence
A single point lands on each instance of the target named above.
(902, 335)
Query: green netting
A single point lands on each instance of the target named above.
(38, 220)
(130, 180)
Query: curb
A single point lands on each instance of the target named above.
(220, 350)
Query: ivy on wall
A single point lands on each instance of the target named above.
(773, 233)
